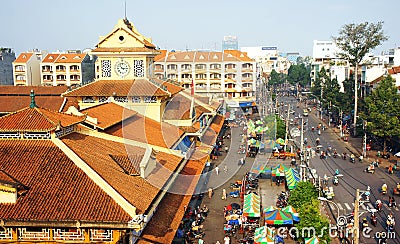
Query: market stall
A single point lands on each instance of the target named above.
(278, 217)
(292, 178)
(264, 235)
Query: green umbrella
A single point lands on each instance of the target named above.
(280, 141)
(312, 240)
(251, 205)
(264, 234)
(270, 209)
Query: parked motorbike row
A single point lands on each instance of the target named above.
(282, 199)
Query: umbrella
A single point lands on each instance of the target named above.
(233, 206)
(270, 209)
(278, 217)
(312, 240)
(291, 210)
(397, 154)
(264, 234)
(259, 122)
(251, 205)
(280, 141)
(292, 178)
(319, 146)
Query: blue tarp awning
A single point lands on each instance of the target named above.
(245, 104)
(184, 145)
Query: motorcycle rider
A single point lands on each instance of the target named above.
(378, 204)
(364, 223)
(392, 202)
(335, 180)
(336, 172)
(371, 168)
(352, 158)
(373, 219)
(384, 188)
(344, 155)
(335, 153)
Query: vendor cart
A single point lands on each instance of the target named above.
(328, 192)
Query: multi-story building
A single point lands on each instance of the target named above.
(72, 68)
(230, 43)
(230, 74)
(268, 58)
(26, 68)
(7, 56)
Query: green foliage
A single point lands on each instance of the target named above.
(299, 74)
(276, 127)
(356, 40)
(303, 194)
(276, 78)
(382, 110)
(310, 216)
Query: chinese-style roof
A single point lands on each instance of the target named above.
(178, 108)
(14, 98)
(138, 191)
(107, 88)
(37, 119)
(171, 87)
(108, 114)
(143, 129)
(124, 49)
(23, 58)
(57, 189)
(165, 222)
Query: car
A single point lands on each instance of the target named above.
(305, 112)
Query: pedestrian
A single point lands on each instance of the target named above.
(243, 161)
(223, 194)
(226, 149)
(225, 168)
(217, 170)
(227, 240)
(210, 192)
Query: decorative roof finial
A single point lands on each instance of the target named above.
(33, 104)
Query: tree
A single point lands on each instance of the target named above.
(383, 110)
(299, 73)
(354, 42)
(304, 193)
(310, 216)
(276, 78)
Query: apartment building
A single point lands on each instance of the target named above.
(7, 56)
(26, 68)
(230, 74)
(72, 68)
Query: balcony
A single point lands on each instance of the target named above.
(74, 70)
(20, 82)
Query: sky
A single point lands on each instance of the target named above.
(290, 25)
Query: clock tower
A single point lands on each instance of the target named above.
(124, 53)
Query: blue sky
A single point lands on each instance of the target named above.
(291, 25)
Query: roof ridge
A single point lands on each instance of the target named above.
(47, 118)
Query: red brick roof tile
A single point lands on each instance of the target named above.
(57, 189)
(138, 191)
(143, 129)
(37, 119)
(165, 222)
(108, 114)
(107, 88)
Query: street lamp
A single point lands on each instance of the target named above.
(326, 200)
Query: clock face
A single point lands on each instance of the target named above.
(122, 68)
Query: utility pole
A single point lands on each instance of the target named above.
(341, 124)
(356, 218)
(287, 126)
(365, 139)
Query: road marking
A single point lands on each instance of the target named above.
(347, 206)
(370, 206)
(363, 207)
(340, 206)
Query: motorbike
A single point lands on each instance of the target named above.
(379, 205)
(364, 224)
(335, 154)
(373, 220)
(369, 170)
(352, 160)
(335, 181)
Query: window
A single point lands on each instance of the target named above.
(105, 68)
(136, 99)
(88, 100)
(138, 68)
(102, 99)
(150, 99)
(121, 99)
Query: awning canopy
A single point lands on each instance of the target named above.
(278, 217)
(292, 178)
(251, 205)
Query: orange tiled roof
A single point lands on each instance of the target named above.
(242, 56)
(394, 70)
(107, 88)
(211, 134)
(37, 119)
(165, 222)
(11, 104)
(172, 88)
(57, 189)
(204, 56)
(108, 114)
(143, 129)
(160, 57)
(51, 58)
(138, 191)
(38, 90)
(70, 58)
(23, 58)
